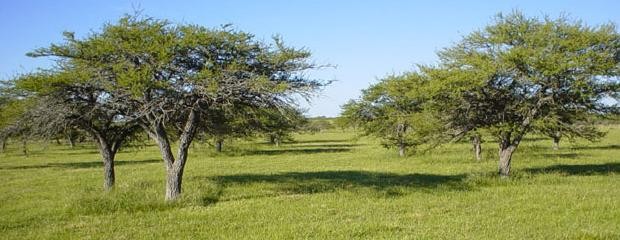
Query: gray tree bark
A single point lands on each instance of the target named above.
(108, 153)
(218, 145)
(556, 141)
(401, 149)
(506, 149)
(477, 146)
(174, 167)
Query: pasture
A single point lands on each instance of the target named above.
(329, 185)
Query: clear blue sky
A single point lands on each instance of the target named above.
(365, 39)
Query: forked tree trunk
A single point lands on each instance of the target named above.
(218, 145)
(174, 167)
(477, 146)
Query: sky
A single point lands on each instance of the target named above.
(364, 40)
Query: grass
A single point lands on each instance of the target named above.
(324, 186)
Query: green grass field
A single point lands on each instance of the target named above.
(324, 186)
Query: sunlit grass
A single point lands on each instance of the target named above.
(328, 185)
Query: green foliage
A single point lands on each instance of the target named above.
(519, 70)
(395, 110)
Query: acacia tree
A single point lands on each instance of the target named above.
(174, 75)
(73, 97)
(278, 123)
(519, 70)
(394, 110)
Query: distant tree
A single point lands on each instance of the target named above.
(519, 70)
(171, 76)
(279, 124)
(394, 110)
(318, 124)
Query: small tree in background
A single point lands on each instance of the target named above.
(394, 110)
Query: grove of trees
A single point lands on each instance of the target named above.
(516, 76)
(175, 83)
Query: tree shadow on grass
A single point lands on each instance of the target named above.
(295, 151)
(78, 165)
(383, 184)
(605, 147)
(323, 141)
(337, 145)
(578, 169)
(562, 155)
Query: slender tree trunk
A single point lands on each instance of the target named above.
(3, 144)
(25, 147)
(401, 149)
(477, 146)
(556, 141)
(218, 145)
(277, 141)
(57, 141)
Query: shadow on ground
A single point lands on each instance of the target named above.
(605, 147)
(294, 183)
(77, 165)
(295, 151)
(581, 169)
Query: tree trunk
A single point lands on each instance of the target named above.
(108, 169)
(25, 147)
(71, 140)
(556, 141)
(174, 167)
(174, 179)
(218, 145)
(3, 144)
(506, 149)
(277, 141)
(477, 146)
(108, 153)
(401, 149)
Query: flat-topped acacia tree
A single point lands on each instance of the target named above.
(173, 75)
(520, 70)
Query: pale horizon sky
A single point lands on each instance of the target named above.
(366, 40)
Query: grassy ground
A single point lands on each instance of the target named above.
(325, 186)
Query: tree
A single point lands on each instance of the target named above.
(519, 70)
(73, 97)
(174, 75)
(394, 110)
(278, 124)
